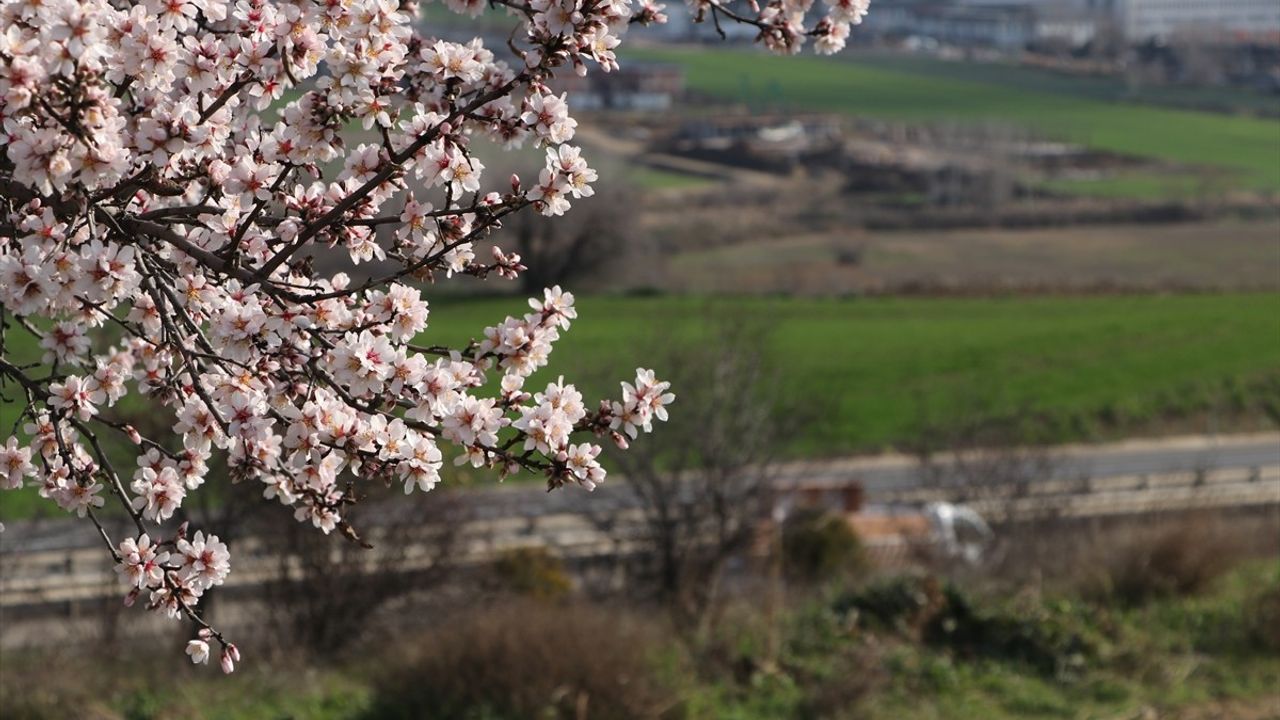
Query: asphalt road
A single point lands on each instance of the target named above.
(880, 476)
(45, 564)
(1101, 461)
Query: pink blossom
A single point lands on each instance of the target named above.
(152, 196)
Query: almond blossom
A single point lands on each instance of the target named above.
(173, 174)
(141, 562)
(15, 464)
(198, 651)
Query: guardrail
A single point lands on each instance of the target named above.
(68, 575)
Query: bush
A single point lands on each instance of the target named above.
(904, 604)
(1051, 638)
(818, 546)
(1170, 560)
(532, 572)
(527, 659)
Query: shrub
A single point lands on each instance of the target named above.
(1169, 560)
(817, 546)
(1051, 638)
(904, 603)
(1131, 561)
(532, 572)
(526, 659)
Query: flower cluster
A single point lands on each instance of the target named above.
(175, 574)
(172, 172)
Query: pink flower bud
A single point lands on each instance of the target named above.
(227, 662)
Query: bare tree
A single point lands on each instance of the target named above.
(322, 586)
(705, 487)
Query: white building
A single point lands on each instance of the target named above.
(1012, 23)
(1142, 20)
(1147, 19)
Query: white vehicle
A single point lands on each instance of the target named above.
(958, 531)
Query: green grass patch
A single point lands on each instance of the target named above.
(885, 370)
(1134, 185)
(931, 91)
(649, 178)
(1109, 88)
(253, 692)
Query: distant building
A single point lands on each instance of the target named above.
(1010, 24)
(1007, 27)
(1143, 20)
(997, 24)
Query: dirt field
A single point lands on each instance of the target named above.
(1199, 256)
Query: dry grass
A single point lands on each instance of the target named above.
(1170, 561)
(1202, 256)
(1134, 561)
(528, 660)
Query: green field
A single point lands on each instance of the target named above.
(1246, 149)
(648, 178)
(1090, 87)
(885, 369)
(895, 373)
(1059, 368)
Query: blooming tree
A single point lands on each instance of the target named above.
(172, 169)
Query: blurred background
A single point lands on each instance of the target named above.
(975, 335)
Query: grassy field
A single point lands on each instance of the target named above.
(892, 372)
(1136, 185)
(1247, 148)
(648, 178)
(1060, 368)
(1088, 87)
(885, 369)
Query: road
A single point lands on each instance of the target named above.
(1143, 457)
(884, 478)
(51, 562)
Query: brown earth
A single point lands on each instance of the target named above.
(1218, 255)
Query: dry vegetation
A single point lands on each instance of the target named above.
(1216, 255)
(1114, 620)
